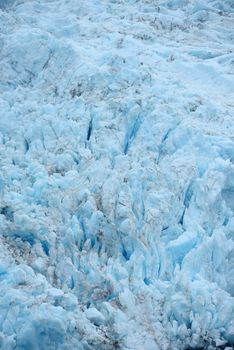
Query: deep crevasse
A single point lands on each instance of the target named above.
(116, 174)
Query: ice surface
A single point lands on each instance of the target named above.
(116, 174)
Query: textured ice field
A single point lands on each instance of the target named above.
(116, 174)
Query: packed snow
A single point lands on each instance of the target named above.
(116, 174)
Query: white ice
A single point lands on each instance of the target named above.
(116, 174)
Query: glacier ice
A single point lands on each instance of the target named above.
(116, 174)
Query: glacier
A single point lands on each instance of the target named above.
(116, 174)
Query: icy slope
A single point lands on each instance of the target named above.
(116, 174)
